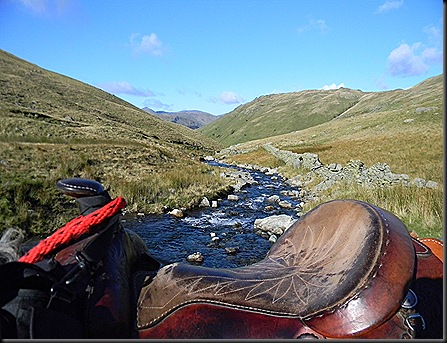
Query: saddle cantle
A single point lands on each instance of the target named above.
(342, 269)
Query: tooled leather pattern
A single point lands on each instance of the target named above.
(298, 276)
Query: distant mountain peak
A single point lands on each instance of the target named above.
(190, 118)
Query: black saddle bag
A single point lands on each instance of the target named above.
(31, 310)
(89, 292)
(51, 298)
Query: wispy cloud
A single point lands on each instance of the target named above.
(48, 8)
(36, 6)
(434, 34)
(228, 98)
(332, 86)
(390, 5)
(381, 82)
(157, 105)
(432, 56)
(314, 24)
(122, 87)
(147, 44)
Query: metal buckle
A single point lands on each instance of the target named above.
(410, 300)
(413, 319)
(307, 335)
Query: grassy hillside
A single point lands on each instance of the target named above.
(276, 114)
(54, 108)
(55, 127)
(403, 128)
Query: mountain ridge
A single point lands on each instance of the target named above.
(276, 114)
(193, 119)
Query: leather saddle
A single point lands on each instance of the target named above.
(347, 269)
(343, 270)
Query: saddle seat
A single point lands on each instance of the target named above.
(341, 269)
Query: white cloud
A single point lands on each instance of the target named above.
(432, 56)
(405, 60)
(332, 86)
(230, 98)
(390, 5)
(147, 44)
(416, 59)
(122, 87)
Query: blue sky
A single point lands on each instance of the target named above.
(213, 55)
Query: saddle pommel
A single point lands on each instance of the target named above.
(89, 194)
(78, 187)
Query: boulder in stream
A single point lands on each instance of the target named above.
(274, 225)
(197, 257)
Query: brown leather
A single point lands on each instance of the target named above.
(394, 328)
(427, 285)
(223, 322)
(429, 265)
(435, 245)
(341, 270)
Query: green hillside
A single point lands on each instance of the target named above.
(275, 114)
(402, 128)
(278, 114)
(55, 127)
(44, 106)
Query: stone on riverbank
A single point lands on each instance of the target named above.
(176, 213)
(273, 199)
(231, 250)
(205, 202)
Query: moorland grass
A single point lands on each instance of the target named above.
(54, 127)
(151, 179)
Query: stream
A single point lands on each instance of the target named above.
(237, 244)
